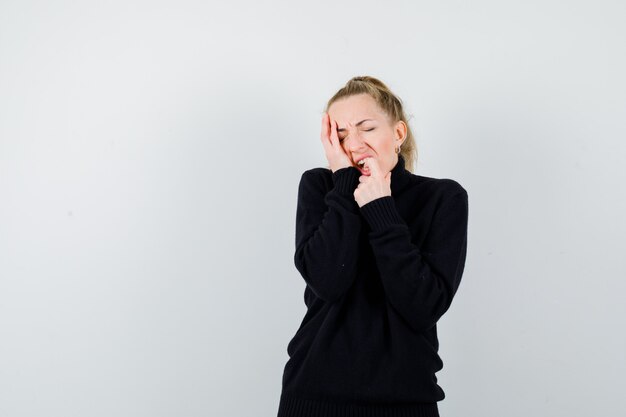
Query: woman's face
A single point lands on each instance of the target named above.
(365, 130)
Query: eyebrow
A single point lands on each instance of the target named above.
(358, 124)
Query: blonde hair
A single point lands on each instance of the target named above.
(388, 102)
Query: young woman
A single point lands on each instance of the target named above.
(382, 252)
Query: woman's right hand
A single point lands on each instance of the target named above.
(337, 157)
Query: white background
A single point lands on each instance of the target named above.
(150, 153)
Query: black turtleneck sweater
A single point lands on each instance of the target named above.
(378, 278)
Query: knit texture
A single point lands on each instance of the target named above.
(378, 278)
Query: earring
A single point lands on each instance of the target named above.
(398, 148)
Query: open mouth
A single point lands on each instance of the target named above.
(361, 167)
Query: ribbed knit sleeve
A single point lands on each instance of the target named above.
(381, 213)
(419, 282)
(328, 224)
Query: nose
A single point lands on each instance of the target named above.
(354, 141)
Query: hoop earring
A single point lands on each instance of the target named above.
(398, 148)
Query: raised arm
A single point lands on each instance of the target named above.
(328, 224)
(419, 282)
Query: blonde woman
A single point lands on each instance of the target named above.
(382, 251)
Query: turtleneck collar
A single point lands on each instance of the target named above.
(400, 176)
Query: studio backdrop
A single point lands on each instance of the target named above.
(150, 155)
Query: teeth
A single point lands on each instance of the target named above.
(361, 162)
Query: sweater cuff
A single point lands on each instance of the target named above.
(346, 180)
(381, 213)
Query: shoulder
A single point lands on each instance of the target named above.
(316, 176)
(314, 173)
(443, 200)
(442, 188)
(324, 178)
(451, 188)
(453, 200)
(438, 194)
(316, 180)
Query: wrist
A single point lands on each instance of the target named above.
(346, 179)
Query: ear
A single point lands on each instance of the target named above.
(401, 130)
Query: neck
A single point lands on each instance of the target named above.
(399, 176)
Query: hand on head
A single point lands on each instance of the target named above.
(337, 157)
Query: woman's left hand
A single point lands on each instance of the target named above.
(376, 185)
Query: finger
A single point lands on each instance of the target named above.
(326, 143)
(325, 127)
(334, 138)
(375, 170)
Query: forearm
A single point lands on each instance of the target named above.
(327, 234)
(419, 283)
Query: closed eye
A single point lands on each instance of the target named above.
(367, 130)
